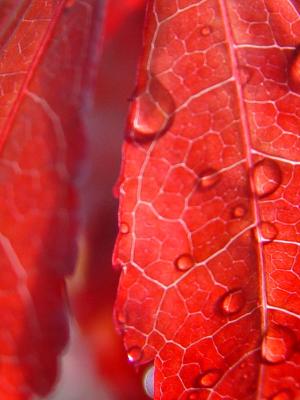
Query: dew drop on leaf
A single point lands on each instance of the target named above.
(239, 211)
(206, 30)
(268, 231)
(208, 179)
(124, 228)
(184, 262)
(209, 378)
(282, 395)
(267, 177)
(134, 354)
(148, 382)
(151, 111)
(278, 344)
(233, 302)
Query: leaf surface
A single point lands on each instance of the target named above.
(47, 53)
(209, 202)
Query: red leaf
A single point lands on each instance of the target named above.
(210, 194)
(46, 57)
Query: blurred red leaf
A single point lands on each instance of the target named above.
(209, 196)
(48, 50)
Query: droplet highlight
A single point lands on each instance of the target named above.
(208, 179)
(193, 396)
(209, 378)
(278, 344)
(148, 382)
(124, 228)
(239, 211)
(151, 111)
(267, 177)
(134, 354)
(233, 302)
(282, 395)
(206, 30)
(268, 231)
(184, 262)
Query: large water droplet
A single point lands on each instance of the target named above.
(282, 395)
(148, 382)
(134, 354)
(209, 178)
(268, 231)
(233, 302)
(124, 228)
(206, 30)
(239, 211)
(184, 262)
(209, 378)
(278, 344)
(267, 177)
(151, 111)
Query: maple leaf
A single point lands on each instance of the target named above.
(209, 202)
(48, 50)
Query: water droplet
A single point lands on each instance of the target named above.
(239, 211)
(282, 395)
(124, 228)
(209, 378)
(148, 382)
(151, 111)
(134, 354)
(278, 344)
(233, 302)
(206, 30)
(268, 231)
(184, 262)
(267, 177)
(209, 178)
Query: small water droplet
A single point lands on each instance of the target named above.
(206, 30)
(184, 262)
(282, 395)
(233, 302)
(267, 177)
(124, 228)
(208, 378)
(208, 179)
(278, 344)
(268, 231)
(151, 111)
(134, 354)
(239, 211)
(121, 317)
(148, 382)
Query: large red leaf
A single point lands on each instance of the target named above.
(209, 202)
(47, 53)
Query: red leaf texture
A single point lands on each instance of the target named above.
(209, 202)
(46, 48)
